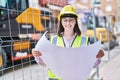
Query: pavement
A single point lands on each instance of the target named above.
(109, 69)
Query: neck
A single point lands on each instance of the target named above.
(68, 35)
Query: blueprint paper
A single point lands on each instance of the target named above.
(68, 63)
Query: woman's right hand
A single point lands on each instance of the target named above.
(36, 53)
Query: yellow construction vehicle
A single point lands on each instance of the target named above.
(21, 22)
(103, 31)
(100, 28)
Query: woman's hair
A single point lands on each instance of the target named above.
(61, 29)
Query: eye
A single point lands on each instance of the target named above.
(71, 20)
(65, 20)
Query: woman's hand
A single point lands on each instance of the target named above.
(100, 54)
(36, 53)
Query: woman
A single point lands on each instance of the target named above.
(68, 34)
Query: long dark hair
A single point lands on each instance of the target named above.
(61, 29)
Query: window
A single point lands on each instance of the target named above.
(10, 7)
(3, 3)
(96, 1)
(24, 4)
(108, 0)
(108, 8)
(85, 1)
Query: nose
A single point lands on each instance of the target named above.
(68, 22)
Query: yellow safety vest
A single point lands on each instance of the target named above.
(58, 40)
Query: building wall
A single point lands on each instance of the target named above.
(109, 7)
(86, 3)
(115, 8)
(118, 10)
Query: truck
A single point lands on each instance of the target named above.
(22, 22)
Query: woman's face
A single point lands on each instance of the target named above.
(68, 23)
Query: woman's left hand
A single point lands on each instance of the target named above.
(100, 54)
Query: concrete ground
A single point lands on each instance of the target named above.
(111, 69)
(110, 66)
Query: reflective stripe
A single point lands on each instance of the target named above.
(79, 41)
(53, 39)
(84, 41)
(57, 41)
(60, 41)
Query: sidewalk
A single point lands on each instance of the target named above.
(111, 68)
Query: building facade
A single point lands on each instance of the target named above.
(109, 7)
